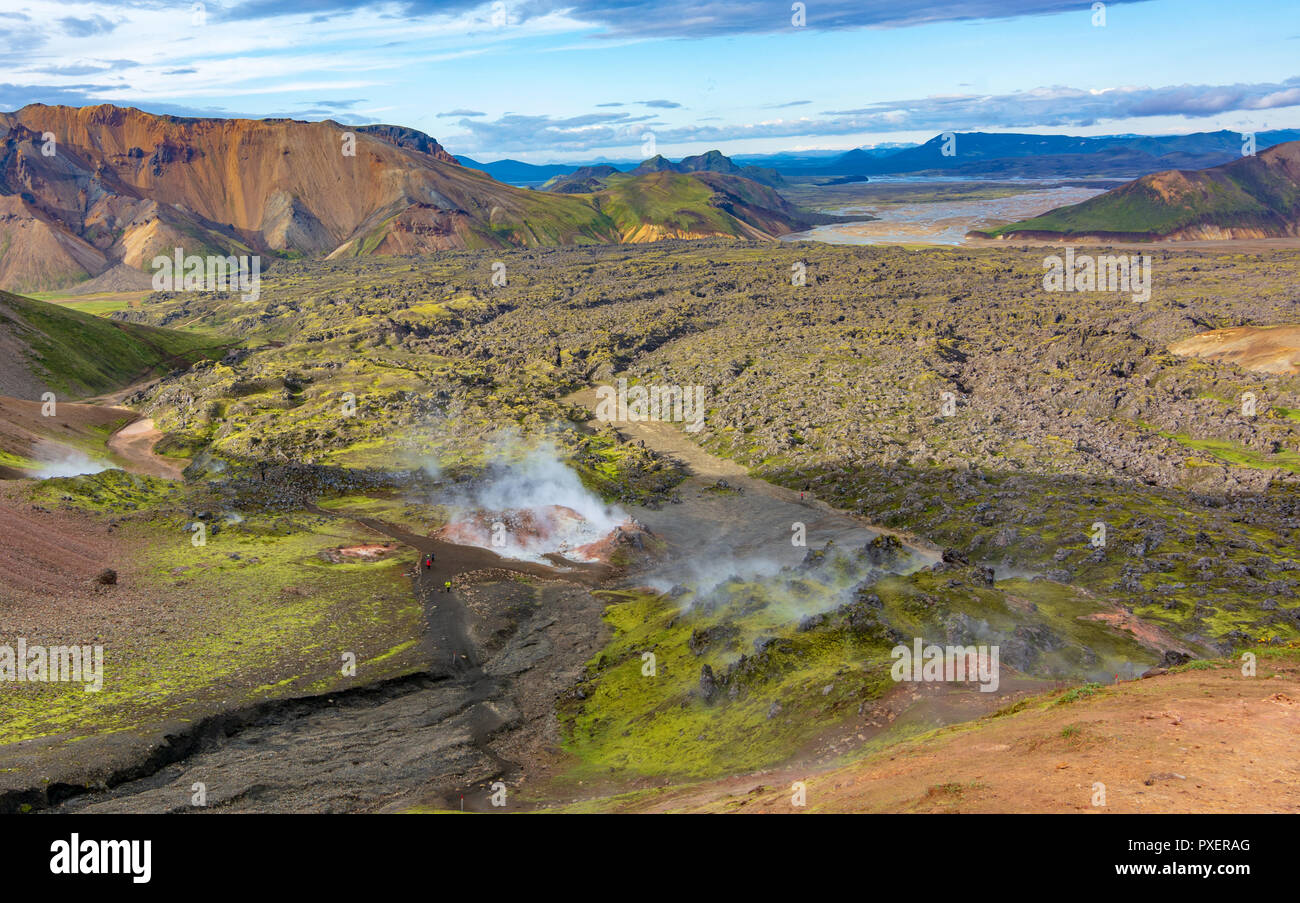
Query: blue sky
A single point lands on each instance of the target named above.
(542, 80)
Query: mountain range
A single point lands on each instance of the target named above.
(710, 161)
(87, 190)
(97, 193)
(517, 172)
(985, 155)
(1020, 156)
(587, 179)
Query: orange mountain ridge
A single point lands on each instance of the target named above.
(83, 190)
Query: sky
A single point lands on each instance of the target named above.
(581, 80)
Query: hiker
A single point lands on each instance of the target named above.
(446, 587)
(428, 561)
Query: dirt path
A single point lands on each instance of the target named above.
(749, 520)
(134, 443)
(115, 399)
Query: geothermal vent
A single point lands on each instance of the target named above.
(542, 533)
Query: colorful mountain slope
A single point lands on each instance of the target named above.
(1254, 197)
(83, 190)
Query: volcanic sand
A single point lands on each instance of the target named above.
(499, 653)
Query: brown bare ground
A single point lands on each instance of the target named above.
(48, 563)
(134, 443)
(1148, 635)
(23, 428)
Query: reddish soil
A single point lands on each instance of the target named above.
(48, 564)
(1147, 634)
(545, 532)
(361, 553)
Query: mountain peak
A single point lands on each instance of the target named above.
(709, 161)
(412, 139)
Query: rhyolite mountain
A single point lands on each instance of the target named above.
(1252, 197)
(121, 186)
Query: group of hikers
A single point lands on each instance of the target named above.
(428, 566)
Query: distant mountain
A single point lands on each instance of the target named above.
(991, 155)
(811, 162)
(707, 194)
(1251, 197)
(516, 172)
(117, 186)
(710, 161)
(583, 180)
(714, 161)
(667, 204)
(657, 163)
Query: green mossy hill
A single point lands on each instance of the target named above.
(80, 354)
(1257, 196)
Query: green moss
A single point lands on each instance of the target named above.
(633, 724)
(267, 605)
(1077, 693)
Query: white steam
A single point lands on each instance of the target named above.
(61, 461)
(528, 504)
(538, 479)
(704, 574)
